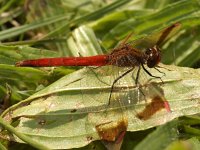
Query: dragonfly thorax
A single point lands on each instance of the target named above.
(127, 56)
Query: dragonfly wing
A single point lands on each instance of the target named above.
(157, 38)
(108, 116)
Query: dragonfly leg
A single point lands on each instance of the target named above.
(164, 68)
(137, 83)
(115, 81)
(151, 74)
(137, 76)
(160, 71)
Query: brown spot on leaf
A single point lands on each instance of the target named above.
(42, 122)
(156, 105)
(110, 131)
(73, 110)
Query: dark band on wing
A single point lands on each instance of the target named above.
(166, 32)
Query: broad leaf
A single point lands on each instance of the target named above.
(74, 111)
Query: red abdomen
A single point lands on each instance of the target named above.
(99, 60)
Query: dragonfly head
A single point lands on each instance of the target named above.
(153, 56)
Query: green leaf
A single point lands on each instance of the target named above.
(171, 13)
(27, 75)
(74, 109)
(160, 138)
(103, 25)
(12, 54)
(195, 143)
(24, 28)
(22, 136)
(10, 15)
(83, 42)
(91, 16)
(183, 144)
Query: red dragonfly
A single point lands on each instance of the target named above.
(125, 55)
(128, 54)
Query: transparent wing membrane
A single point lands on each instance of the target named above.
(156, 38)
(126, 96)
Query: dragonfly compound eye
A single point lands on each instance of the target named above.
(153, 56)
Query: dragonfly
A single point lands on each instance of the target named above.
(142, 53)
(138, 53)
